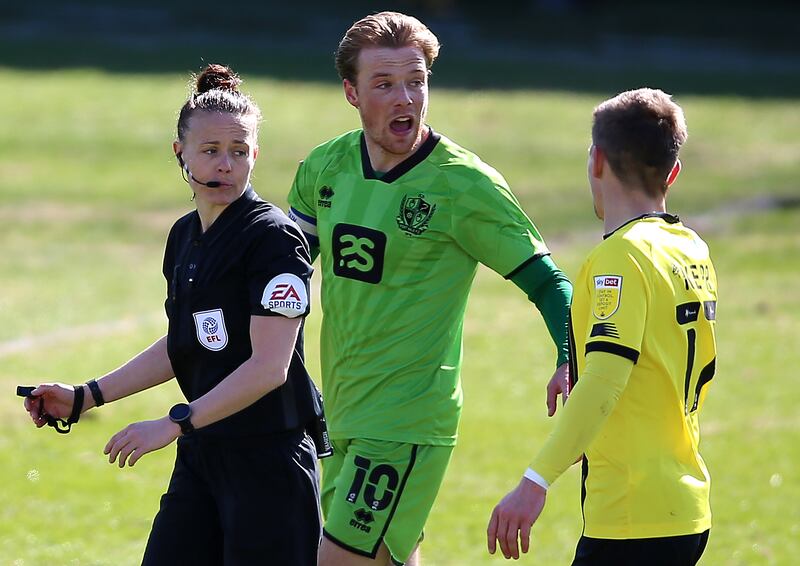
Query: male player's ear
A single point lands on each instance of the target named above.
(674, 173)
(350, 92)
(597, 161)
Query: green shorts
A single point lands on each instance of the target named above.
(377, 491)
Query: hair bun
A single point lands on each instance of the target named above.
(217, 77)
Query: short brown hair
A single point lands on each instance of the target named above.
(640, 131)
(384, 29)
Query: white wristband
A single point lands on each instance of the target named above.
(536, 478)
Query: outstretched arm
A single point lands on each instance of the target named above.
(549, 289)
(593, 400)
(273, 340)
(147, 369)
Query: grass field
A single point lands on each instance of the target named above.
(89, 188)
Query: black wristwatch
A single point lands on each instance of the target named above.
(180, 414)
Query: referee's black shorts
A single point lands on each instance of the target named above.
(683, 550)
(239, 501)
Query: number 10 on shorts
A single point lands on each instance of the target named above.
(375, 478)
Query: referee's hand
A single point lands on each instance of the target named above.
(137, 439)
(513, 517)
(54, 399)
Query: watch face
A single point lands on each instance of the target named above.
(180, 412)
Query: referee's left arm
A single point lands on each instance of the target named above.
(273, 339)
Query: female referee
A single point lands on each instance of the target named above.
(244, 489)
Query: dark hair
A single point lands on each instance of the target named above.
(215, 90)
(640, 132)
(385, 29)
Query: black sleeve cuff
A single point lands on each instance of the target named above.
(525, 264)
(612, 348)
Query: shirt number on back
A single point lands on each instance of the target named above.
(690, 313)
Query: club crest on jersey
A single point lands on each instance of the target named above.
(415, 214)
(286, 295)
(210, 327)
(607, 291)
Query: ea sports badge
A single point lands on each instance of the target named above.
(607, 292)
(286, 295)
(210, 327)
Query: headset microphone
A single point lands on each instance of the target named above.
(210, 184)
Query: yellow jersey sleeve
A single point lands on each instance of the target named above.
(618, 297)
(591, 402)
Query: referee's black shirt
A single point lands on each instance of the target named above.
(252, 260)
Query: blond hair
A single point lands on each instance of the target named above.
(384, 29)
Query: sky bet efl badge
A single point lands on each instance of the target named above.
(607, 290)
(210, 326)
(286, 295)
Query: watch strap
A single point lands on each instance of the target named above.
(186, 425)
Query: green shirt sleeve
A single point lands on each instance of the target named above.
(302, 210)
(549, 289)
(301, 194)
(592, 400)
(491, 227)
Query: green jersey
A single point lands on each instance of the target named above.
(398, 255)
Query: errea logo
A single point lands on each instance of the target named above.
(286, 295)
(361, 520)
(325, 196)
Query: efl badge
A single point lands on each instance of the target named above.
(286, 295)
(607, 290)
(210, 326)
(415, 214)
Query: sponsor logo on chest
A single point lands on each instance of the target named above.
(358, 253)
(210, 329)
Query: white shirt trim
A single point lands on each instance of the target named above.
(536, 478)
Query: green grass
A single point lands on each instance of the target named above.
(90, 188)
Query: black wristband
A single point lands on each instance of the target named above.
(77, 405)
(97, 395)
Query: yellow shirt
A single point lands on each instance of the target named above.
(646, 294)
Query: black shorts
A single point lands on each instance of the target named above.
(239, 501)
(683, 550)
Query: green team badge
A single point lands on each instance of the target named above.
(415, 214)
